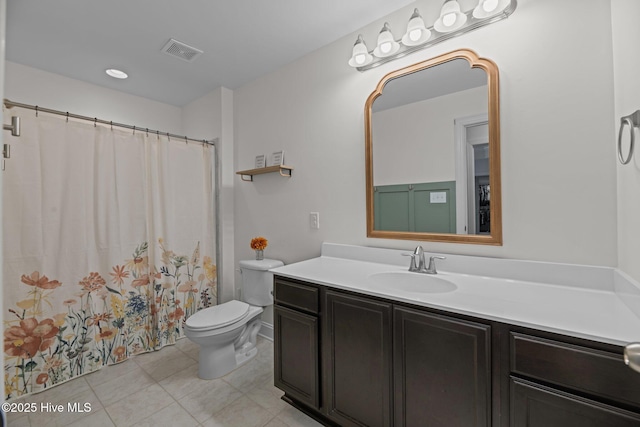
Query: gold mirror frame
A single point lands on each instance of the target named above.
(495, 237)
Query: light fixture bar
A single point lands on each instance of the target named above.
(436, 37)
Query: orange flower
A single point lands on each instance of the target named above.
(40, 282)
(144, 280)
(120, 353)
(97, 318)
(106, 334)
(188, 286)
(25, 340)
(177, 314)
(119, 274)
(92, 282)
(259, 243)
(42, 378)
(69, 302)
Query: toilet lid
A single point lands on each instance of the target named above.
(219, 315)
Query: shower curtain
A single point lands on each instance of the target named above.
(109, 245)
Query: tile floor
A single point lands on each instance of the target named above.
(162, 388)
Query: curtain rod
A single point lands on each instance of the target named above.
(11, 104)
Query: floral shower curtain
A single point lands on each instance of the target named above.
(109, 245)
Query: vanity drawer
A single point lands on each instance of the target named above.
(296, 295)
(583, 369)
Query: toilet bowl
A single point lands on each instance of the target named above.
(227, 333)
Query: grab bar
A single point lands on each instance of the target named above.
(633, 120)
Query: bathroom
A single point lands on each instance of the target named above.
(565, 80)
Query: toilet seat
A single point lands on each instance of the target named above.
(218, 316)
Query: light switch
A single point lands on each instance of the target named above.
(314, 220)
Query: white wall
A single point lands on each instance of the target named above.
(29, 85)
(626, 65)
(208, 117)
(415, 143)
(558, 169)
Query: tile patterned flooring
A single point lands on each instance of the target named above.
(162, 388)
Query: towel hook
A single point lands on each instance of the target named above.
(633, 121)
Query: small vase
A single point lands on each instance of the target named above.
(259, 254)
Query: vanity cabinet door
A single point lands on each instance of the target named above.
(357, 360)
(534, 405)
(442, 370)
(296, 355)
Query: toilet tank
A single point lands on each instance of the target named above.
(257, 282)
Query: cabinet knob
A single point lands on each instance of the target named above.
(632, 356)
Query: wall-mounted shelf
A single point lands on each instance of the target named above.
(283, 170)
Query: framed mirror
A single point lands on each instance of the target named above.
(432, 136)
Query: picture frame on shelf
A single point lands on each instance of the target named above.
(277, 158)
(260, 161)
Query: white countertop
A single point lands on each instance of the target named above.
(592, 307)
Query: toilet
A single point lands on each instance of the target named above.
(226, 333)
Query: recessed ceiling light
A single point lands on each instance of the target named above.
(117, 73)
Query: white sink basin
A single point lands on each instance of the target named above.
(405, 281)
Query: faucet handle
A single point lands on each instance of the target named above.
(432, 264)
(412, 266)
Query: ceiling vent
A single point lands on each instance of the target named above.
(181, 50)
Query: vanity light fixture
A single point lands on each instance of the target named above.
(452, 22)
(489, 8)
(360, 55)
(118, 74)
(387, 46)
(451, 18)
(417, 33)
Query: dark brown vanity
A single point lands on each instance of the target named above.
(351, 359)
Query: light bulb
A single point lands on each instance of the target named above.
(490, 5)
(360, 59)
(449, 19)
(385, 47)
(415, 35)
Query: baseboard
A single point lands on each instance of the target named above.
(266, 331)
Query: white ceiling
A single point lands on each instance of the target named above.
(241, 39)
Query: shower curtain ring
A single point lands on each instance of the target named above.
(186, 141)
(95, 121)
(36, 111)
(168, 136)
(147, 131)
(111, 123)
(158, 135)
(67, 117)
(134, 130)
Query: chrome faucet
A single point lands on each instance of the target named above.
(419, 267)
